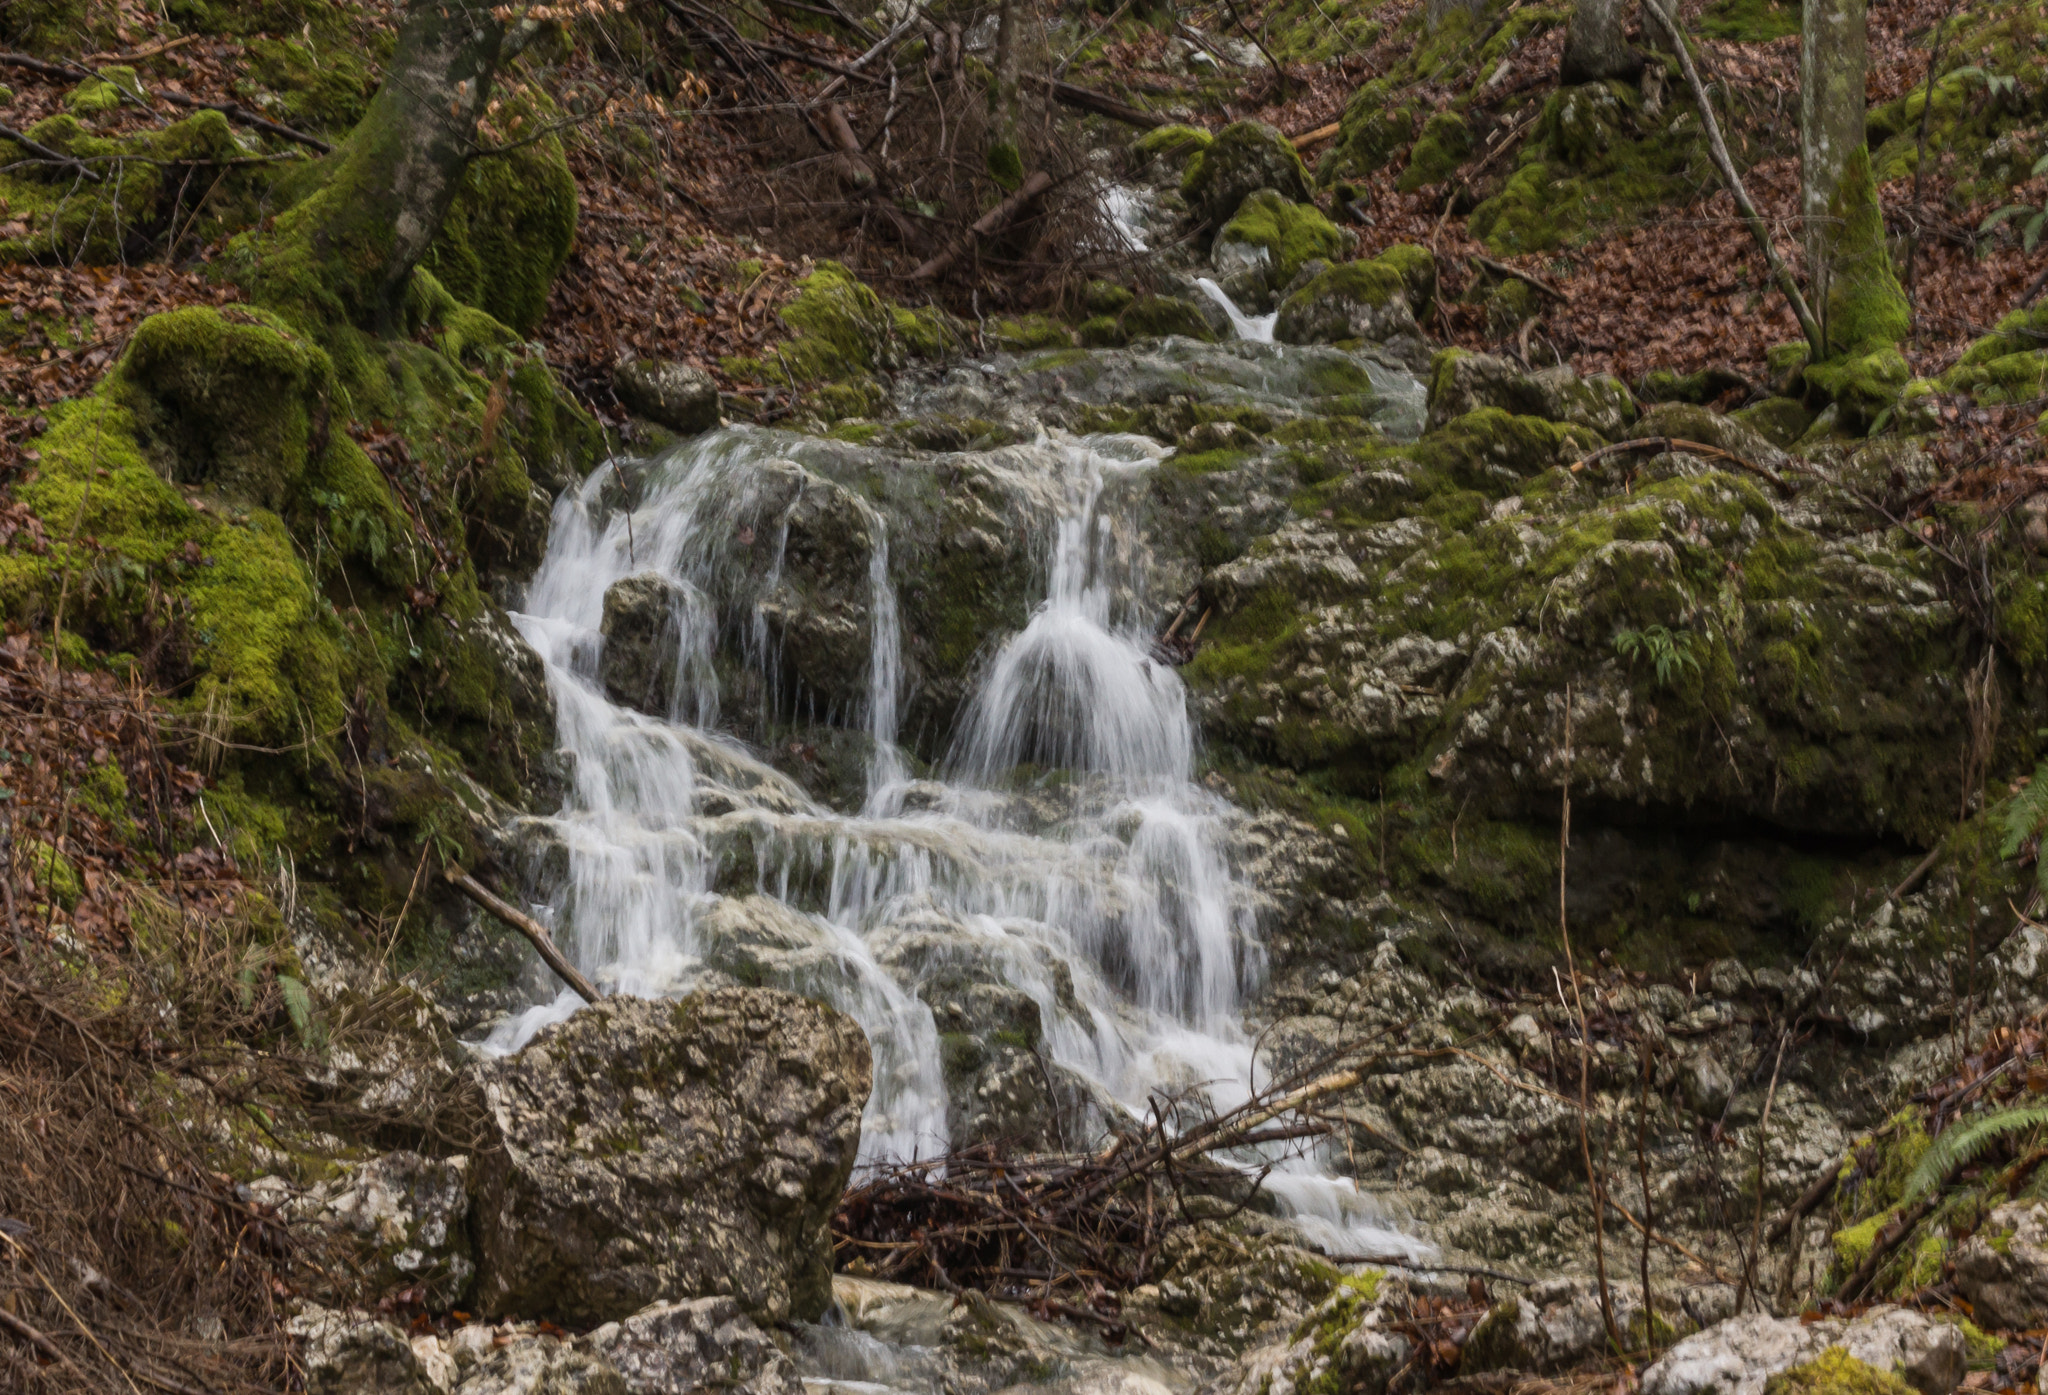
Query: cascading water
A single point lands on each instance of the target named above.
(1119, 916)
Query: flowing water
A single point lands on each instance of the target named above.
(1256, 328)
(1102, 891)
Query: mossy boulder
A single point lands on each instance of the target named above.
(1835, 1372)
(1462, 382)
(1284, 236)
(1701, 387)
(1156, 316)
(1244, 157)
(670, 394)
(1443, 144)
(1376, 301)
(1174, 145)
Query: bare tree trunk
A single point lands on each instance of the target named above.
(1594, 48)
(1832, 57)
(352, 246)
(1005, 153)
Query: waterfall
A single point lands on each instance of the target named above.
(1258, 329)
(1119, 917)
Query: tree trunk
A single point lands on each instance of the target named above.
(352, 246)
(1594, 48)
(1005, 153)
(1832, 58)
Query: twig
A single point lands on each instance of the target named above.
(1088, 99)
(55, 157)
(1920, 165)
(1503, 269)
(526, 925)
(1673, 443)
(990, 223)
(1780, 272)
(242, 116)
(41, 1343)
(1823, 1183)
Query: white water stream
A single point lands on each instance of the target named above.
(1256, 328)
(1120, 916)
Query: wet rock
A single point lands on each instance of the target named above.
(404, 1215)
(681, 1348)
(642, 641)
(1738, 1357)
(2003, 1268)
(1245, 156)
(1462, 382)
(652, 1151)
(670, 394)
(1359, 300)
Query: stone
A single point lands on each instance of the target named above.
(1462, 382)
(1358, 300)
(1707, 1084)
(670, 394)
(658, 1151)
(679, 1348)
(404, 1215)
(642, 641)
(353, 1354)
(1739, 1356)
(1245, 156)
(541, 1366)
(2003, 1268)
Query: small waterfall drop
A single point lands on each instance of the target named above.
(1258, 329)
(1118, 915)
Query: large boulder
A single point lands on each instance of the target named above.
(1245, 156)
(2003, 1268)
(401, 1214)
(1462, 382)
(656, 1151)
(670, 394)
(354, 1354)
(1269, 240)
(1378, 301)
(642, 640)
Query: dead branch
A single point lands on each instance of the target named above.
(1673, 443)
(242, 116)
(1516, 273)
(989, 224)
(55, 157)
(526, 925)
(1087, 99)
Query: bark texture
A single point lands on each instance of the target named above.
(1005, 154)
(1595, 48)
(1832, 59)
(351, 248)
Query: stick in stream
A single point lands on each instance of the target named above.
(526, 925)
(1780, 272)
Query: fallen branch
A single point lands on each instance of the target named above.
(526, 925)
(988, 225)
(1673, 443)
(1887, 1240)
(1088, 99)
(858, 172)
(1780, 273)
(1503, 269)
(242, 116)
(55, 157)
(1317, 136)
(41, 1343)
(1824, 1182)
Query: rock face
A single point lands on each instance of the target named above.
(679, 1348)
(641, 642)
(653, 1151)
(2003, 1268)
(675, 395)
(406, 1215)
(1245, 156)
(1738, 1357)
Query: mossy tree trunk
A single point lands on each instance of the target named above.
(1595, 48)
(398, 173)
(1833, 54)
(1005, 152)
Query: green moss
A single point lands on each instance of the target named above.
(1024, 333)
(311, 85)
(1866, 306)
(927, 332)
(98, 95)
(1862, 385)
(1244, 156)
(1749, 21)
(1293, 234)
(1155, 316)
(1102, 332)
(1835, 1372)
(1005, 165)
(509, 231)
(56, 875)
(1106, 297)
(1444, 144)
(1171, 143)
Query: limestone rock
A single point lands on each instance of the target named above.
(2003, 1268)
(1244, 157)
(675, 395)
(641, 641)
(1358, 300)
(652, 1151)
(680, 1348)
(541, 1366)
(406, 1215)
(1739, 1356)
(352, 1354)
(1341, 1346)
(1463, 382)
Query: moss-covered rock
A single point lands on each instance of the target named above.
(1462, 382)
(1174, 145)
(509, 231)
(1835, 1372)
(1288, 235)
(1244, 157)
(1373, 300)
(1156, 316)
(1443, 144)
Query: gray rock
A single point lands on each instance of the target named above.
(1738, 1357)
(352, 1354)
(1465, 382)
(405, 1216)
(1245, 156)
(541, 1366)
(1707, 1085)
(675, 395)
(655, 1151)
(641, 641)
(679, 1348)
(1358, 300)
(2003, 1268)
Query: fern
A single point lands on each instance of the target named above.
(1963, 1143)
(298, 1005)
(2027, 818)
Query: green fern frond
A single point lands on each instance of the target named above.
(298, 1005)
(1962, 1143)
(2027, 815)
